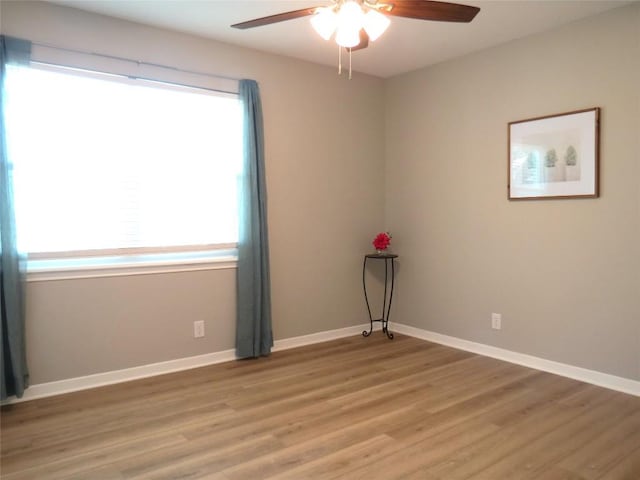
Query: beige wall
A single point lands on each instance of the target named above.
(563, 273)
(324, 142)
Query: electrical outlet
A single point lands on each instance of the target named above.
(496, 321)
(198, 329)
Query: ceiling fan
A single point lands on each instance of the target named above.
(355, 22)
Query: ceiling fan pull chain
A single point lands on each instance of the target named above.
(339, 60)
(349, 64)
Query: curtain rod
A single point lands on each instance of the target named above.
(135, 77)
(138, 62)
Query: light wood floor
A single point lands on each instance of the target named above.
(356, 408)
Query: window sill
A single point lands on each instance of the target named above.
(117, 266)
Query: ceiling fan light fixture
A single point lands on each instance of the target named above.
(356, 22)
(375, 24)
(347, 37)
(350, 16)
(350, 22)
(324, 22)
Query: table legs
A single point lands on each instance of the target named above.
(386, 305)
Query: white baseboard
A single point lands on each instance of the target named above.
(125, 375)
(118, 376)
(606, 380)
(318, 337)
(69, 385)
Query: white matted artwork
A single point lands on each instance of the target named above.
(555, 156)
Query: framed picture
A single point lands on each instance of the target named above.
(555, 156)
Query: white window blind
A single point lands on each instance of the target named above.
(104, 162)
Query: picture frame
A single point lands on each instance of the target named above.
(555, 156)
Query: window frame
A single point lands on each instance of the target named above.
(42, 266)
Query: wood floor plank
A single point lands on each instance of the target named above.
(595, 458)
(88, 441)
(337, 464)
(353, 408)
(627, 468)
(100, 459)
(416, 454)
(509, 443)
(536, 456)
(337, 438)
(203, 461)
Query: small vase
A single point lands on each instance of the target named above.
(380, 252)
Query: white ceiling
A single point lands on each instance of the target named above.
(407, 45)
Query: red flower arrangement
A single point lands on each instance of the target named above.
(382, 241)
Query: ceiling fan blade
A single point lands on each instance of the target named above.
(364, 41)
(431, 10)
(280, 17)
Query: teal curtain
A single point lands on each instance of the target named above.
(15, 376)
(253, 326)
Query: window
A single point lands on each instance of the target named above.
(104, 162)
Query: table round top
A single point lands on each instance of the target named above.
(381, 255)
